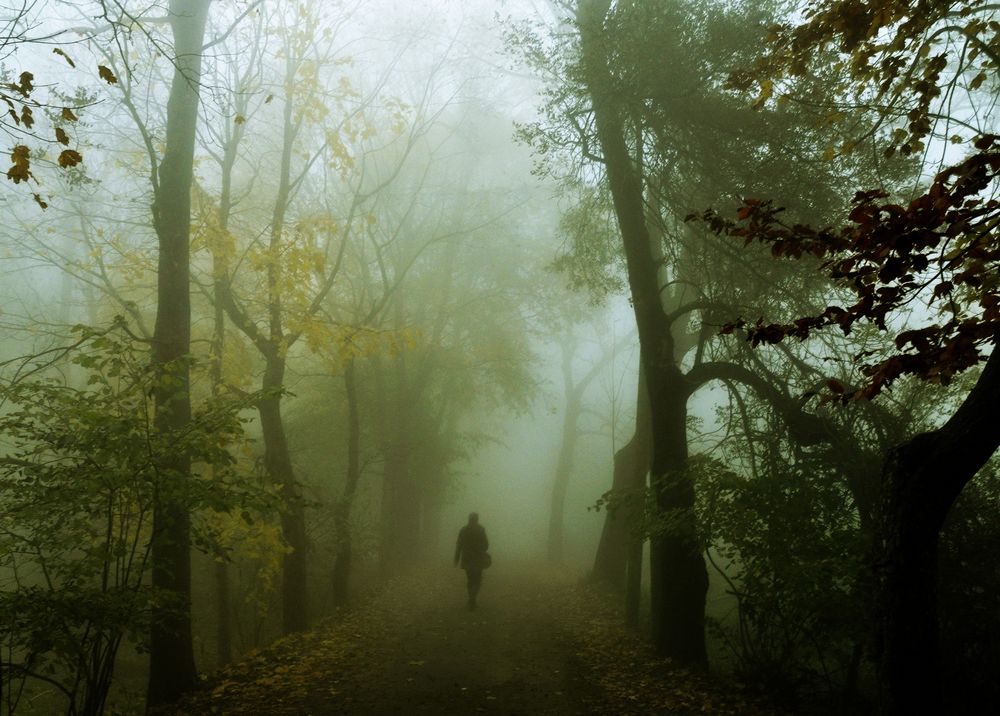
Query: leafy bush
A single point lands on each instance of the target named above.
(78, 478)
(789, 546)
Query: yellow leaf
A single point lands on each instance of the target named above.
(766, 90)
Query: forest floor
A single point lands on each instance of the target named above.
(536, 644)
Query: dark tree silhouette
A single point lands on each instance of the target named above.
(941, 248)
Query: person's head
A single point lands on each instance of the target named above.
(473, 518)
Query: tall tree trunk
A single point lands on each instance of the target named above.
(611, 559)
(678, 575)
(637, 485)
(171, 664)
(344, 552)
(342, 510)
(619, 554)
(679, 578)
(278, 461)
(906, 590)
(633, 580)
(564, 470)
(233, 136)
(620, 531)
(921, 480)
(273, 344)
(223, 622)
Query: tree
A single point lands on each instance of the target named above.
(574, 391)
(679, 578)
(618, 561)
(81, 478)
(592, 264)
(939, 248)
(663, 140)
(428, 316)
(467, 351)
(911, 63)
(342, 509)
(172, 669)
(787, 501)
(299, 264)
(341, 197)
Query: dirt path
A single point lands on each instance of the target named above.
(537, 644)
(506, 657)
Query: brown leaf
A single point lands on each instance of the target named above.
(67, 114)
(69, 158)
(61, 136)
(62, 53)
(18, 174)
(21, 169)
(24, 84)
(107, 75)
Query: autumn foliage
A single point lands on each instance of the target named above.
(19, 106)
(935, 259)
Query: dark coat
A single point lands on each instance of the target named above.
(471, 547)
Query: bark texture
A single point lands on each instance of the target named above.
(172, 668)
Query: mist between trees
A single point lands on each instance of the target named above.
(695, 300)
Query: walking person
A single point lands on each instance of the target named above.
(471, 552)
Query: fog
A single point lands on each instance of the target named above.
(518, 356)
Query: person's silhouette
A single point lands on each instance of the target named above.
(470, 551)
